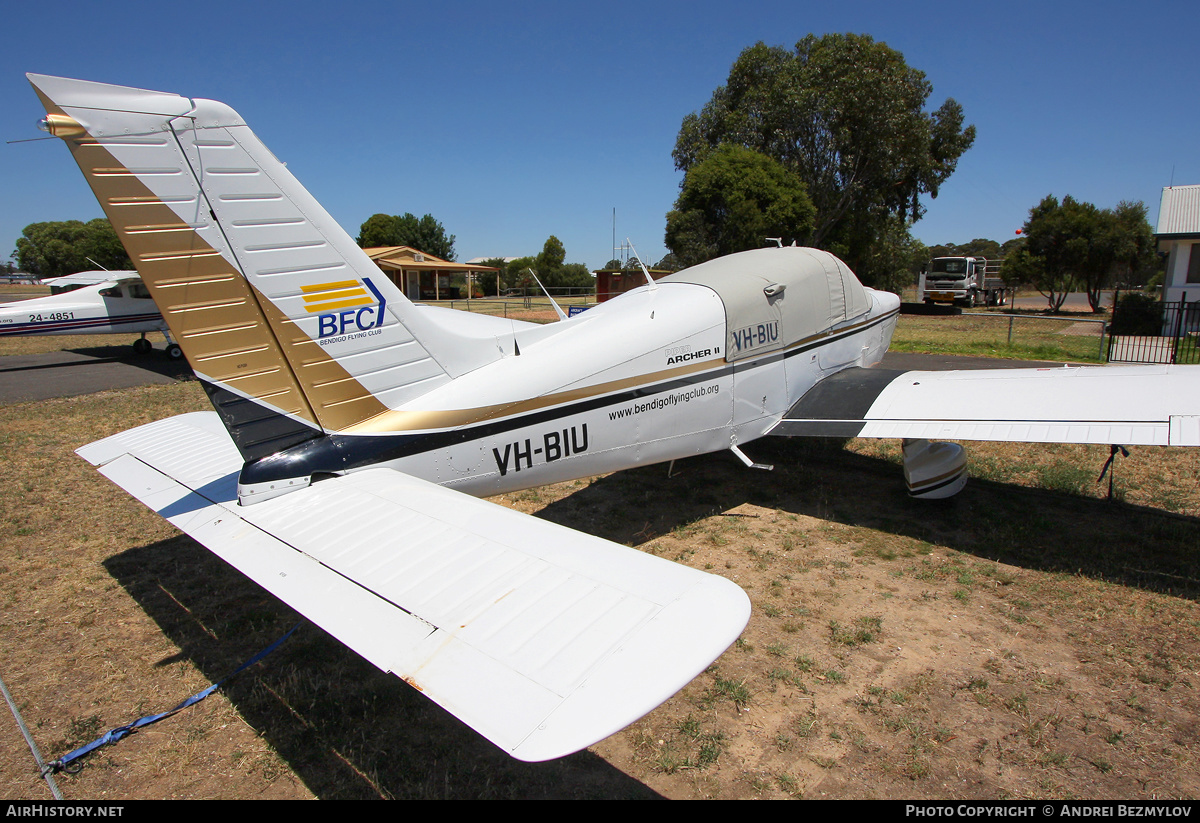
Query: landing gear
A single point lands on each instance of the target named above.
(173, 350)
(141, 345)
(934, 470)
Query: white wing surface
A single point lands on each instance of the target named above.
(1128, 405)
(543, 639)
(89, 278)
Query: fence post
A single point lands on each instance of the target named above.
(1178, 326)
(1010, 322)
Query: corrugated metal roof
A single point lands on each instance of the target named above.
(1179, 212)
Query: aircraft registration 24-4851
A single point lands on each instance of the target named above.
(93, 302)
(354, 432)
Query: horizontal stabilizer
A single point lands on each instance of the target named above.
(543, 639)
(1129, 405)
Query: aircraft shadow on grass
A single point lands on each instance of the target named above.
(157, 362)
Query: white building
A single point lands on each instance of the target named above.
(1178, 235)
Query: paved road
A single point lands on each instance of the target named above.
(28, 377)
(1030, 300)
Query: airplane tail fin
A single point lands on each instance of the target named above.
(293, 330)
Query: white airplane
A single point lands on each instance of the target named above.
(71, 282)
(354, 431)
(94, 302)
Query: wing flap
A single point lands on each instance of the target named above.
(543, 639)
(291, 576)
(1130, 405)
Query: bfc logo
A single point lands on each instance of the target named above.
(344, 307)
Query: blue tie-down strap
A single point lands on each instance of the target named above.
(64, 762)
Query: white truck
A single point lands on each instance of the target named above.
(962, 281)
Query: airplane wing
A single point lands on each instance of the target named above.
(1128, 405)
(89, 278)
(543, 639)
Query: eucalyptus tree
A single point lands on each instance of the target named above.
(425, 234)
(848, 115)
(733, 200)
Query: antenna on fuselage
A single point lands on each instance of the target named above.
(778, 241)
(545, 291)
(645, 271)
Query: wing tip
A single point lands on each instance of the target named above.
(648, 670)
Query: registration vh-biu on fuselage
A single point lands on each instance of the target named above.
(657, 374)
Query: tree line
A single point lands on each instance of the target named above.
(58, 248)
(551, 268)
(1070, 245)
(428, 235)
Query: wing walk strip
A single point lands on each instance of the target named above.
(537, 636)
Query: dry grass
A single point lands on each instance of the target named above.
(1026, 639)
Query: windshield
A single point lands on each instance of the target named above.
(948, 265)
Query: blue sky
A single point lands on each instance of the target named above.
(512, 121)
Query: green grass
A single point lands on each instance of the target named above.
(987, 335)
(864, 630)
(725, 689)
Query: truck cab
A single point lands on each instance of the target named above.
(961, 281)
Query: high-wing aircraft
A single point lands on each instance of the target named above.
(71, 282)
(99, 302)
(354, 431)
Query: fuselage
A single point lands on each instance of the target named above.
(644, 378)
(643, 381)
(104, 308)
